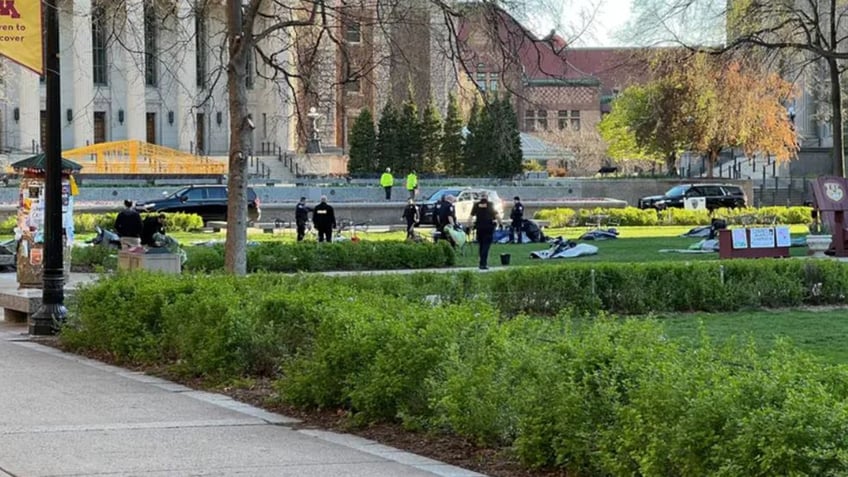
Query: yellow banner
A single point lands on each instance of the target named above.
(20, 33)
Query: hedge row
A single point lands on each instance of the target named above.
(603, 398)
(86, 223)
(649, 217)
(320, 257)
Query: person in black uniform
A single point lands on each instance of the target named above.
(486, 216)
(324, 219)
(517, 217)
(411, 215)
(128, 225)
(301, 217)
(155, 224)
(447, 217)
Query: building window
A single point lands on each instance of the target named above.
(200, 47)
(352, 86)
(151, 45)
(493, 81)
(481, 81)
(249, 67)
(575, 120)
(542, 120)
(353, 32)
(98, 45)
(530, 120)
(562, 119)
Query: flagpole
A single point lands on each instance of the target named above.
(52, 312)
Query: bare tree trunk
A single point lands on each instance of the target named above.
(712, 158)
(235, 258)
(836, 105)
(670, 161)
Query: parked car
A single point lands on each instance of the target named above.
(465, 199)
(717, 195)
(207, 201)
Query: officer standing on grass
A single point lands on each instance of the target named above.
(324, 219)
(387, 180)
(517, 217)
(411, 215)
(486, 216)
(301, 217)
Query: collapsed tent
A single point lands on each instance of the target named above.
(599, 234)
(561, 248)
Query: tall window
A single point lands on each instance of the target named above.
(562, 119)
(151, 45)
(200, 46)
(248, 76)
(493, 81)
(353, 32)
(575, 120)
(481, 81)
(542, 120)
(530, 120)
(98, 45)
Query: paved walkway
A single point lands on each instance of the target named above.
(64, 415)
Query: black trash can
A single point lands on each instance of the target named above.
(505, 258)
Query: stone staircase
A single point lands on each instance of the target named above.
(274, 167)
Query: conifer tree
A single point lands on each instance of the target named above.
(409, 136)
(431, 139)
(452, 143)
(388, 138)
(363, 145)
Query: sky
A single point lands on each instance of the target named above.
(612, 16)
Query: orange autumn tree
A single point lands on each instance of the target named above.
(730, 104)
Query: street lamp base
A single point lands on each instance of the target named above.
(47, 319)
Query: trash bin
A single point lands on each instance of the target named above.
(505, 258)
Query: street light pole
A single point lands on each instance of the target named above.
(52, 312)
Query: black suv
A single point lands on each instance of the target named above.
(717, 195)
(207, 201)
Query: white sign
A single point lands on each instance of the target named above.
(695, 203)
(740, 238)
(762, 238)
(784, 239)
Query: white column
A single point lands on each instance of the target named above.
(133, 56)
(187, 76)
(81, 59)
(29, 104)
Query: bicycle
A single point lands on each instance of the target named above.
(349, 224)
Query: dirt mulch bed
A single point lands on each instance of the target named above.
(496, 462)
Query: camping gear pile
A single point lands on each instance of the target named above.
(561, 248)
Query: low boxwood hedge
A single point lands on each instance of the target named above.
(608, 397)
(631, 216)
(86, 223)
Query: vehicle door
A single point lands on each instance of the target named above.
(464, 203)
(215, 203)
(715, 197)
(191, 202)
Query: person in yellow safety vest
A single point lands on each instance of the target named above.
(387, 181)
(412, 184)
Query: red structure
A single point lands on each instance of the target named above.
(830, 200)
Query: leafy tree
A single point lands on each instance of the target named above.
(409, 137)
(431, 138)
(363, 144)
(452, 146)
(388, 138)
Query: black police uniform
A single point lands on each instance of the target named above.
(324, 219)
(485, 213)
(446, 212)
(410, 213)
(301, 216)
(517, 217)
(128, 223)
(437, 214)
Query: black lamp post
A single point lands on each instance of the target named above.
(52, 312)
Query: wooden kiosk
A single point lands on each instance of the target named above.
(830, 201)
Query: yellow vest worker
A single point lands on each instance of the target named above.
(412, 184)
(387, 181)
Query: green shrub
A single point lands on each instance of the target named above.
(631, 216)
(94, 258)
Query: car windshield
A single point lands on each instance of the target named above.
(178, 193)
(438, 195)
(677, 191)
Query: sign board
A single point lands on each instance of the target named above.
(762, 238)
(740, 238)
(20, 33)
(695, 203)
(783, 237)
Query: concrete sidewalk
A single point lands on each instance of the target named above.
(64, 415)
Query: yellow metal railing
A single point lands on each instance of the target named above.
(136, 157)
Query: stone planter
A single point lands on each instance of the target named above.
(818, 245)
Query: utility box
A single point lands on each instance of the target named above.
(151, 262)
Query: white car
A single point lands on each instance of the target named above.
(465, 199)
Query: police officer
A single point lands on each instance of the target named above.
(411, 215)
(517, 217)
(387, 180)
(324, 219)
(486, 216)
(301, 217)
(447, 217)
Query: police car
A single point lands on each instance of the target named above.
(465, 199)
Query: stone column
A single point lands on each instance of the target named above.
(133, 56)
(29, 104)
(186, 83)
(81, 63)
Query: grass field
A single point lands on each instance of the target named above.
(823, 333)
